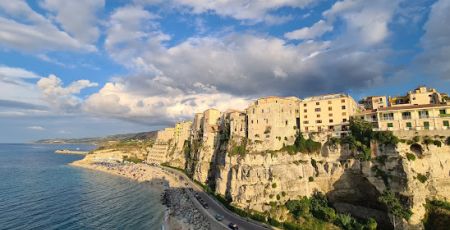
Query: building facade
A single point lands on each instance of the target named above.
(327, 113)
(273, 122)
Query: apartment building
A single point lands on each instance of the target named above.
(273, 122)
(182, 132)
(238, 123)
(421, 109)
(374, 102)
(327, 113)
(158, 152)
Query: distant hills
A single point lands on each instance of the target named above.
(100, 140)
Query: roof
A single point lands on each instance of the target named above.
(326, 97)
(412, 107)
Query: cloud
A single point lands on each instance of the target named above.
(7, 72)
(253, 11)
(62, 98)
(435, 58)
(36, 128)
(316, 30)
(21, 105)
(77, 17)
(23, 29)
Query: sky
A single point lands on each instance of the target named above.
(97, 67)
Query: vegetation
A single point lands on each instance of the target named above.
(394, 206)
(317, 209)
(422, 178)
(437, 216)
(302, 145)
(274, 185)
(447, 141)
(240, 149)
(132, 159)
(411, 156)
(310, 179)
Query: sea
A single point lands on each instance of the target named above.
(39, 190)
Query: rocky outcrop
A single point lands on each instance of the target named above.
(353, 186)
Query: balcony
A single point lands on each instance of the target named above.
(424, 116)
(406, 117)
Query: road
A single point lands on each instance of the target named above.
(215, 207)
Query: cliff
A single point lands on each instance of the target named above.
(258, 180)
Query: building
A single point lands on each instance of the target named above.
(421, 109)
(238, 124)
(158, 152)
(374, 102)
(419, 96)
(327, 113)
(182, 132)
(273, 122)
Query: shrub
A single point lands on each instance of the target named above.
(278, 197)
(394, 205)
(274, 222)
(299, 207)
(422, 178)
(410, 156)
(437, 215)
(427, 140)
(283, 193)
(274, 185)
(438, 143)
(310, 179)
(271, 196)
(416, 139)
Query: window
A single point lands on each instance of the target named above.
(406, 115)
(330, 114)
(331, 120)
(408, 125)
(388, 116)
(262, 110)
(317, 109)
(423, 114)
(442, 112)
(331, 128)
(426, 124)
(305, 110)
(390, 125)
(306, 116)
(306, 122)
(344, 120)
(304, 105)
(287, 122)
(344, 114)
(329, 102)
(343, 107)
(343, 100)
(330, 108)
(317, 103)
(319, 121)
(318, 115)
(446, 124)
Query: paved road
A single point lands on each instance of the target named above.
(216, 208)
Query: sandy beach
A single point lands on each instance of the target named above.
(180, 214)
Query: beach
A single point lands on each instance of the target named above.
(180, 213)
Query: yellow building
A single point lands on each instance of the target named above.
(181, 133)
(374, 102)
(327, 113)
(421, 109)
(273, 122)
(238, 124)
(158, 152)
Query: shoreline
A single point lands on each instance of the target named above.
(179, 212)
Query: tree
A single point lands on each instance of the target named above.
(395, 208)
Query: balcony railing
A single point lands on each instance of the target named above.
(406, 117)
(424, 116)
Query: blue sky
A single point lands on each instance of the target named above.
(97, 67)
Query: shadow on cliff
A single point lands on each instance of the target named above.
(353, 193)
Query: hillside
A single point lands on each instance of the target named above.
(101, 140)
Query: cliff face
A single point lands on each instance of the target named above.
(255, 180)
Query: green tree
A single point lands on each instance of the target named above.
(395, 208)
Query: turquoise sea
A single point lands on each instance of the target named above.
(38, 190)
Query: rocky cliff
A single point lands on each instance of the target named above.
(415, 172)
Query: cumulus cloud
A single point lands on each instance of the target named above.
(77, 17)
(60, 97)
(316, 30)
(435, 58)
(23, 29)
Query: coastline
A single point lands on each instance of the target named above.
(179, 211)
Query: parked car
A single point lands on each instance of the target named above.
(218, 217)
(233, 226)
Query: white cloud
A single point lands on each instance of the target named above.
(11, 73)
(15, 87)
(36, 128)
(62, 98)
(77, 17)
(316, 30)
(23, 29)
(249, 10)
(435, 58)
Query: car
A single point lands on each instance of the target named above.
(218, 217)
(233, 226)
